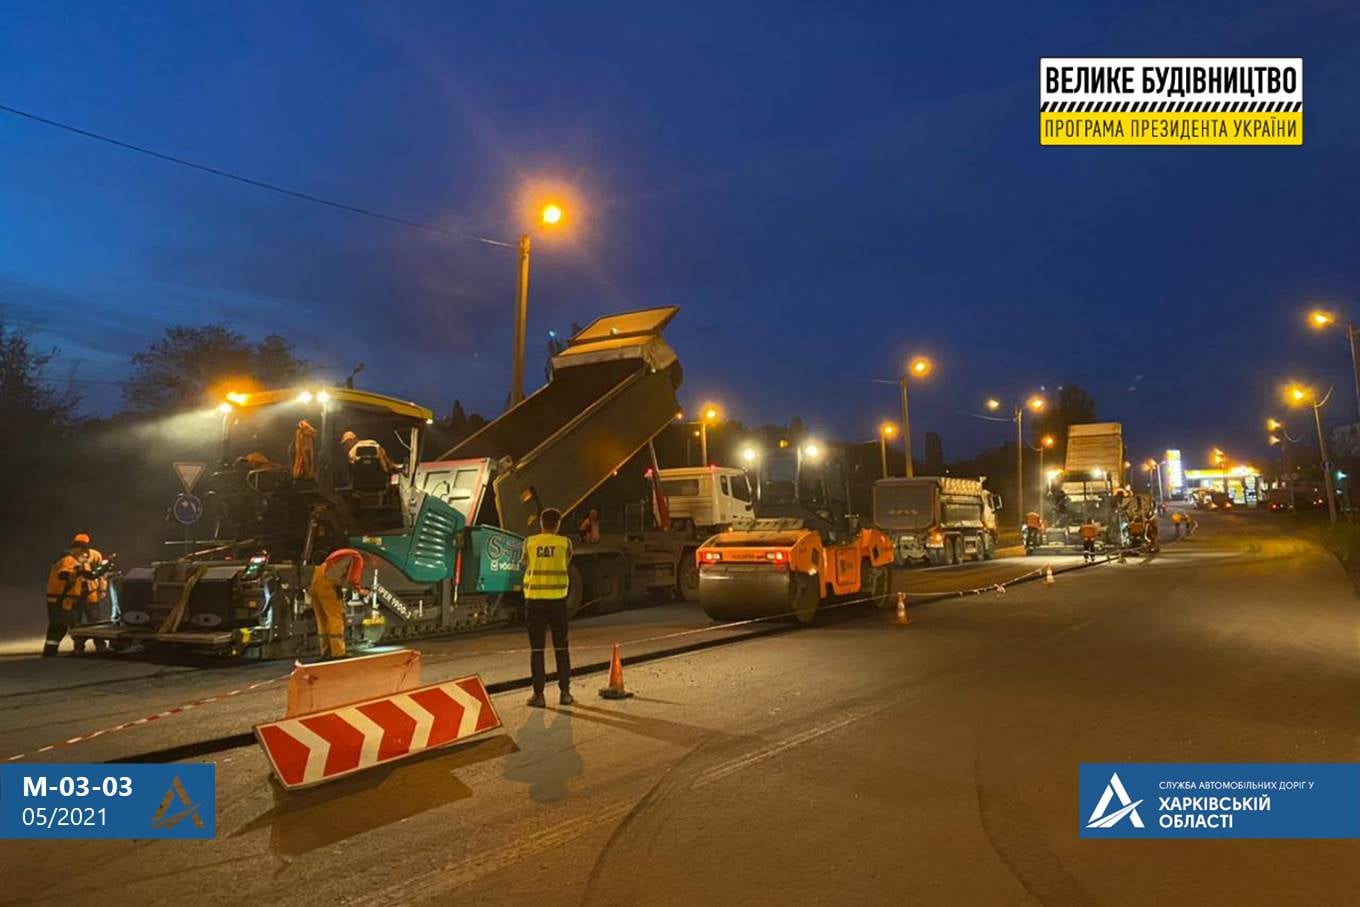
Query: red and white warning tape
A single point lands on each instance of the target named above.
(197, 703)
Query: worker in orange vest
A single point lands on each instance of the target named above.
(66, 593)
(341, 572)
(96, 590)
(1089, 532)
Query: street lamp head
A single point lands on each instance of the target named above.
(711, 413)
(551, 215)
(812, 450)
(1036, 403)
(1274, 439)
(887, 429)
(1273, 424)
(1047, 441)
(1321, 319)
(993, 404)
(919, 367)
(748, 454)
(1297, 395)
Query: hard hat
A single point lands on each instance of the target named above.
(81, 538)
(348, 436)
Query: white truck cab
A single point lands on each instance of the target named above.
(711, 497)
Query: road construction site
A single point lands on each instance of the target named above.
(747, 771)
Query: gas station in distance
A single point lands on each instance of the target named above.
(1241, 483)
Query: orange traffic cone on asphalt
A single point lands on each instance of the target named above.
(1048, 576)
(615, 690)
(902, 619)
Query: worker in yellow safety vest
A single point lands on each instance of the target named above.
(66, 593)
(546, 561)
(342, 571)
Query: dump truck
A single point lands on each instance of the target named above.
(444, 535)
(801, 548)
(709, 498)
(937, 519)
(1090, 487)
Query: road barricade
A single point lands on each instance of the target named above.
(328, 684)
(344, 717)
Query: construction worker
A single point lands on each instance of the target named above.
(1178, 523)
(546, 559)
(96, 590)
(1152, 535)
(66, 593)
(1089, 531)
(590, 527)
(356, 448)
(1034, 531)
(302, 452)
(1137, 528)
(341, 572)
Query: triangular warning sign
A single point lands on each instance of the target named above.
(189, 474)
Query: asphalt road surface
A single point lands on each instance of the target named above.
(851, 762)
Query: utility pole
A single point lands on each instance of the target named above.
(1351, 331)
(1020, 466)
(906, 425)
(521, 316)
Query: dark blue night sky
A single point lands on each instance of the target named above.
(823, 189)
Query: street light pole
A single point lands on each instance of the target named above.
(1351, 332)
(906, 427)
(521, 316)
(1019, 465)
(1326, 464)
(883, 452)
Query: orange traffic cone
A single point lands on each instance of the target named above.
(1048, 576)
(615, 689)
(902, 619)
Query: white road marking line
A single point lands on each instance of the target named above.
(723, 770)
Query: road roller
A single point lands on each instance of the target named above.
(802, 547)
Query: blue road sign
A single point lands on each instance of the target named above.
(188, 509)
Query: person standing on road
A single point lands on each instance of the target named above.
(66, 594)
(1089, 531)
(1152, 535)
(342, 571)
(546, 561)
(96, 590)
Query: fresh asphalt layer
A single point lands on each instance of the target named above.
(852, 761)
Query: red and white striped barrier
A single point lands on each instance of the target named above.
(311, 749)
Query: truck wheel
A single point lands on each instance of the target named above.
(576, 591)
(952, 553)
(687, 578)
(937, 557)
(606, 586)
(988, 547)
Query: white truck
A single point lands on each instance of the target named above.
(710, 498)
(937, 519)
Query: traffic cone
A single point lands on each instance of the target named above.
(902, 619)
(615, 689)
(1048, 576)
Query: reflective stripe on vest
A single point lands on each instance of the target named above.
(546, 557)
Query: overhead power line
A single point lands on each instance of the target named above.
(259, 184)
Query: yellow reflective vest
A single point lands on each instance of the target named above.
(65, 585)
(546, 557)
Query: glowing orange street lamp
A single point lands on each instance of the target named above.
(1035, 404)
(709, 414)
(918, 367)
(1298, 395)
(550, 215)
(885, 431)
(1321, 319)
